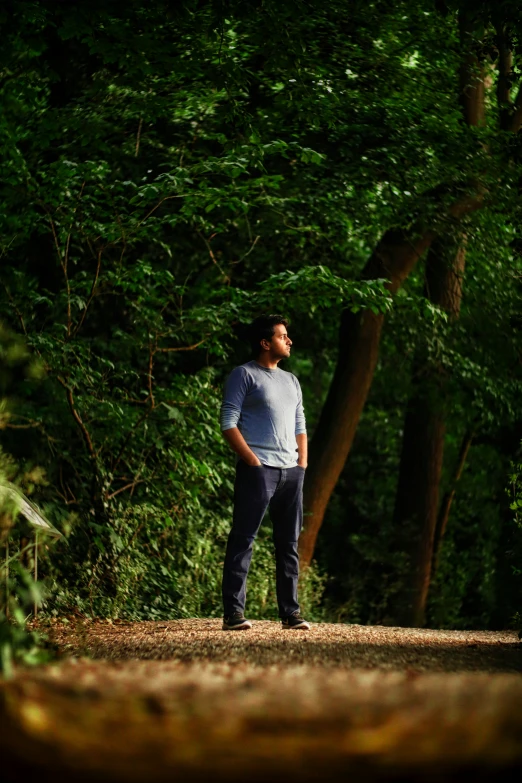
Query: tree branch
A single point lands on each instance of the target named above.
(78, 419)
(152, 351)
(182, 347)
(122, 489)
(138, 137)
(63, 264)
(91, 295)
(158, 205)
(252, 246)
(15, 308)
(213, 257)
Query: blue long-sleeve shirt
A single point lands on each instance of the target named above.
(267, 408)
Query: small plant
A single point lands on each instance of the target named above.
(18, 644)
(19, 592)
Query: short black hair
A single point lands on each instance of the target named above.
(262, 328)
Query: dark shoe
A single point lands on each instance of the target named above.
(295, 621)
(236, 622)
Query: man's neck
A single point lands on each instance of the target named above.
(268, 362)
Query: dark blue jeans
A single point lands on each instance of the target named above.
(256, 489)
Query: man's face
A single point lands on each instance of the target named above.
(279, 345)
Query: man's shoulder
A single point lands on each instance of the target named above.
(242, 371)
(247, 368)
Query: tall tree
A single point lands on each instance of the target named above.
(394, 258)
(417, 499)
(359, 338)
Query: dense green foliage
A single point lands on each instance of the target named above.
(170, 170)
(19, 592)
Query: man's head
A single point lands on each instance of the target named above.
(268, 336)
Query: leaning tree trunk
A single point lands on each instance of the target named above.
(393, 259)
(417, 499)
(359, 337)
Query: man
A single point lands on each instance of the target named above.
(262, 419)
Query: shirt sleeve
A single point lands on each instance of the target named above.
(300, 421)
(236, 388)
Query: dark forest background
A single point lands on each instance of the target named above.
(168, 171)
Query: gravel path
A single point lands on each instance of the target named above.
(266, 644)
(185, 701)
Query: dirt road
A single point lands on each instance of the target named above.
(184, 701)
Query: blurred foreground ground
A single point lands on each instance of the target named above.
(184, 701)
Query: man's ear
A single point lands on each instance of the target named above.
(265, 345)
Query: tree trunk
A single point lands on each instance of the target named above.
(393, 259)
(447, 500)
(471, 73)
(417, 499)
